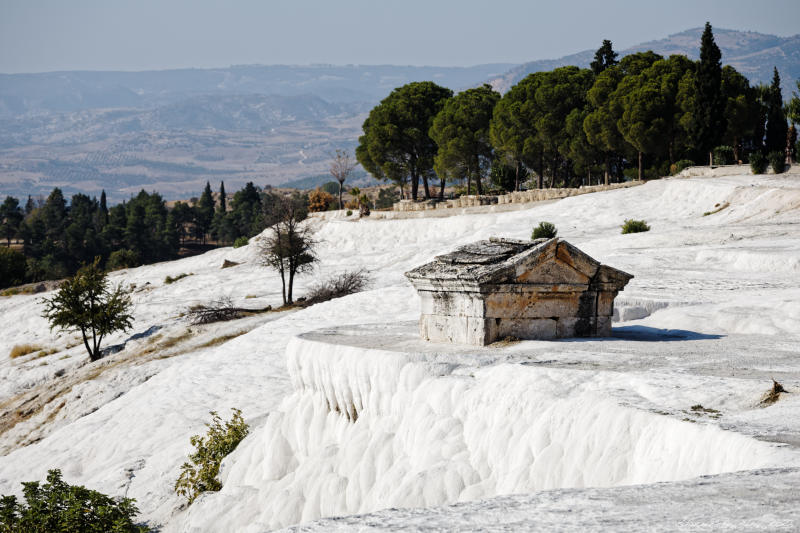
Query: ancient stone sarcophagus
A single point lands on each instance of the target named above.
(490, 290)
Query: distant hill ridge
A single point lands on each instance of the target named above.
(751, 53)
(80, 90)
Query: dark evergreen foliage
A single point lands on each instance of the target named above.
(604, 58)
(204, 213)
(708, 113)
(10, 219)
(87, 304)
(58, 506)
(758, 163)
(395, 144)
(461, 132)
(775, 140)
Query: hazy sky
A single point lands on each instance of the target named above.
(45, 35)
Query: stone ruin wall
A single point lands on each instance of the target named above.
(517, 197)
(520, 311)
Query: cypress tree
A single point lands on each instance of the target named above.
(103, 208)
(604, 57)
(29, 206)
(205, 211)
(708, 124)
(223, 207)
(776, 118)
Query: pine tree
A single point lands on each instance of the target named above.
(604, 57)
(29, 206)
(10, 219)
(54, 213)
(708, 121)
(776, 118)
(461, 131)
(396, 144)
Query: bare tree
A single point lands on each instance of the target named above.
(289, 245)
(341, 167)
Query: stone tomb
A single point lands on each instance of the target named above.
(491, 290)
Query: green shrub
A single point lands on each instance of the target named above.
(386, 198)
(122, 259)
(201, 474)
(349, 212)
(240, 241)
(631, 174)
(545, 230)
(777, 160)
(58, 506)
(678, 166)
(331, 187)
(758, 163)
(634, 226)
(723, 155)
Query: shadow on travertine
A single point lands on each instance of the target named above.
(648, 334)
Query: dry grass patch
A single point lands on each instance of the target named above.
(45, 352)
(699, 410)
(23, 349)
(718, 209)
(13, 291)
(221, 340)
(506, 341)
(169, 279)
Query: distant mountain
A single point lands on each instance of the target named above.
(77, 90)
(753, 54)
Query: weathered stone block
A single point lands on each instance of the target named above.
(493, 289)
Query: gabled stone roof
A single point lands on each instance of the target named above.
(488, 263)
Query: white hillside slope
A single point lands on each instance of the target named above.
(351, 414)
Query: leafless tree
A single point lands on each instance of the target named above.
(341, 167)
(288, 246)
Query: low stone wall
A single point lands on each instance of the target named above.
(727, 170)
(517, 197)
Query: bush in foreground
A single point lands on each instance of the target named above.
(777, 160)
(634, 226)
(58, 506)
(319, 200)
(758, 163)
(545, 230)
(200, 475)
(339, 285)
(240, 241)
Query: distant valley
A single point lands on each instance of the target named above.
(173, 130)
